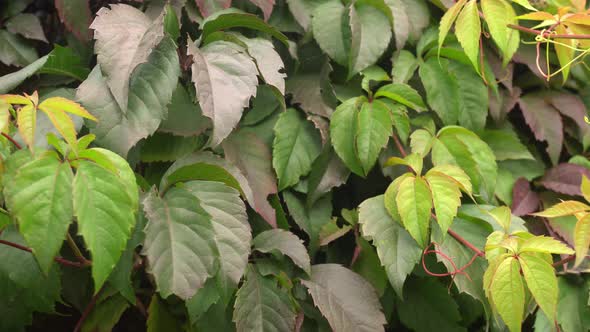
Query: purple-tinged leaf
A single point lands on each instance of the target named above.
(208, 7)
(565, 178)
(545, 122)
(524, 200)
(266, 6)
(76, 16)
(573, 107)
(253, 157)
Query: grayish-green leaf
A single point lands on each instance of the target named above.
(225, 79)
(286, 243)
(179, 242)
(15, 51)
(348, 301)
(310, 218)
(26, 25)
(125, 37)
(262, 306)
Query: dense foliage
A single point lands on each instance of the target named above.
(294, 165)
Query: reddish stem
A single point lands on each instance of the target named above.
(546, 35)
(564, 261)
(458, 237)
(60, 260)
(12, 141)
(87, 311)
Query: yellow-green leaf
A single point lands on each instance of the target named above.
(582, 238)
(414, 203)
(541, 281)
(545, 244)
(565, 52)
(26, 121)
(455, 173)
(537, 16)
(525, 3)
(446, 198)
(507, 293)
(66, 105)
(16, 99)
(502, 215)
(64, 125)
(414, 161)
(391, 194)
(498, 14)
(447, 21)
(492, 248)
(4, 115)
(585, 188)
(566, 208)
(468, 31)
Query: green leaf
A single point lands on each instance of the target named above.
(331, 29)
(565, 208)
(545, 244)
(76, 16)
(413, 161)
(296, 145)
(15, 51)
(403, 94)
(106, 215)
(232, 234)
(507, 293)
(461, 147)
(582, 238)
(65, 62)
(286, 243)
(24, 288)
(171, 22)
(225, 79)
(185, 118)
(446, 198)
(505, 144)
(137, 36)
(261, 306)
(312, 218)
(150, 90)
(345, 299)
(421, 142)
(179, 242)
(433, 297)
(541, 281)
(498, 14)
(225, 21)
(342, 126)
(447, 21)
(106, 314)
(397, 251)
(456, 174)
(404, 64)
(442, 90)
(414, 202)
(371, 34)
(167, 147)
(40, 198)
(468, 31)
(372, 134)
(255, 161)
(160, 319)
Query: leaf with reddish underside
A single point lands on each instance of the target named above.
(524, 200)
(75, 14)
(544, 121)
(565, 178)
(208, 7)
(266, 6)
